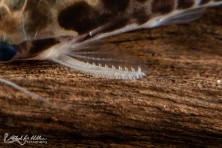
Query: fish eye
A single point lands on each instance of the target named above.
(7, 52)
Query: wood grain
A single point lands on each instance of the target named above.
(179, 102)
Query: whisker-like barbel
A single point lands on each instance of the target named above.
(34, 96)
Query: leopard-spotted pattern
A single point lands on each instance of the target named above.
(46, 29)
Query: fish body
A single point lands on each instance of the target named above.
(56, 30)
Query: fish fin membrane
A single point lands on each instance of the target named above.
(99, 71)
(180, 17)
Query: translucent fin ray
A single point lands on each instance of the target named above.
(182, 17)
(97, 70)
(188, 16)
(34, 96)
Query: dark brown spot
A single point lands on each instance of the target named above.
(163, 6)
(116, 5)
(37, 46)
(184, 4)
(141, 16)
(81, 17)
(142, 1)
(203, 2)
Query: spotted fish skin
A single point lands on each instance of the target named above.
(54, 29)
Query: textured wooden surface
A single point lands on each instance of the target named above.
(178, 103)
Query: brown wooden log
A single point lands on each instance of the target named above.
(179, 102)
